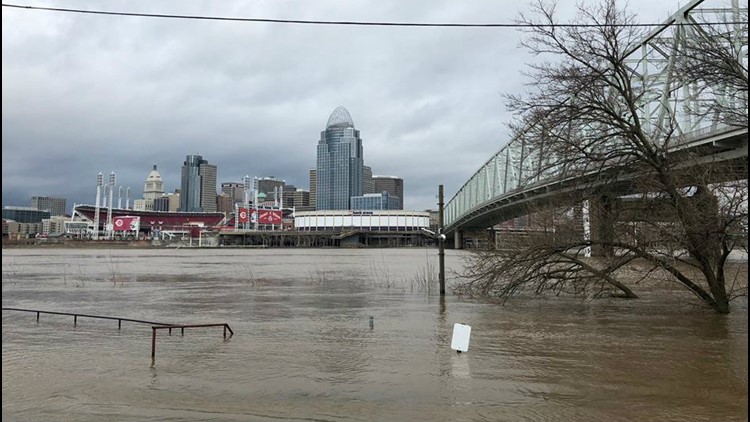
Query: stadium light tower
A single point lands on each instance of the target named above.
(99, 185)
(111, 190)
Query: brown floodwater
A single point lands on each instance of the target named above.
(304, 349)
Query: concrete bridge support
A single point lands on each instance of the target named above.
(604, 210)
(458, 240)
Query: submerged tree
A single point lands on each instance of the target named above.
(651, 197)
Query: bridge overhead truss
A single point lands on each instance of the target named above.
(519, 170)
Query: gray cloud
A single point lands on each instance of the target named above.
(84, 94)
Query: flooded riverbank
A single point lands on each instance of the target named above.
(303, 347)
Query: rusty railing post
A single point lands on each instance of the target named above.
(119, 324)
(37, 317)
(153, 342)
(75, 320)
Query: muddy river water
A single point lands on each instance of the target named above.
(304, 348)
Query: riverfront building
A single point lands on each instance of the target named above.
(347, 220)
(340, 163)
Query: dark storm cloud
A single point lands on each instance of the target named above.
(84, 94)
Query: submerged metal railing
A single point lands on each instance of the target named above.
(154, 325)
(182, 328)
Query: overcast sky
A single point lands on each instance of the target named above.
(84, 94)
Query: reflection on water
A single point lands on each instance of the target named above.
(304, 348)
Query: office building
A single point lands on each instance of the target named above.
(235, 190)
(225, 203)
(208, 187)
(393, 185)
(375, 201)
(368, 186)
(198, 185)
(299, 199)
(161, 204)
(270, 185)
(25, 214)
(56, 206)
(340, 163)
(313, 188)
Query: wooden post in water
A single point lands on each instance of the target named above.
(441, 242)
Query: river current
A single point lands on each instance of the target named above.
(304, 349)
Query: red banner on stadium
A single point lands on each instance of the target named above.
(269, 216)
(243, 216)
(124, 224)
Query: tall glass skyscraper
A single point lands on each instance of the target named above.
(340, 171)
(198, 185)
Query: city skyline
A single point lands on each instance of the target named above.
(87, 94)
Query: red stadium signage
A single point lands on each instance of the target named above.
(269, 216)
(243, 215)
(124, 224)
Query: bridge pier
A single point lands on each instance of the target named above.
(603, 213)
(458, 240)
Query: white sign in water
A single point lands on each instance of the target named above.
(461, 334)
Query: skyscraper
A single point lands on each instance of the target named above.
(313, 187)
(198, 185)
(340, 164)
(208, 186)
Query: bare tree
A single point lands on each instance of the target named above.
(678, 212)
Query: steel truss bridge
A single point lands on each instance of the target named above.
(511, 179)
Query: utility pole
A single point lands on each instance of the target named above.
(441, 242)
